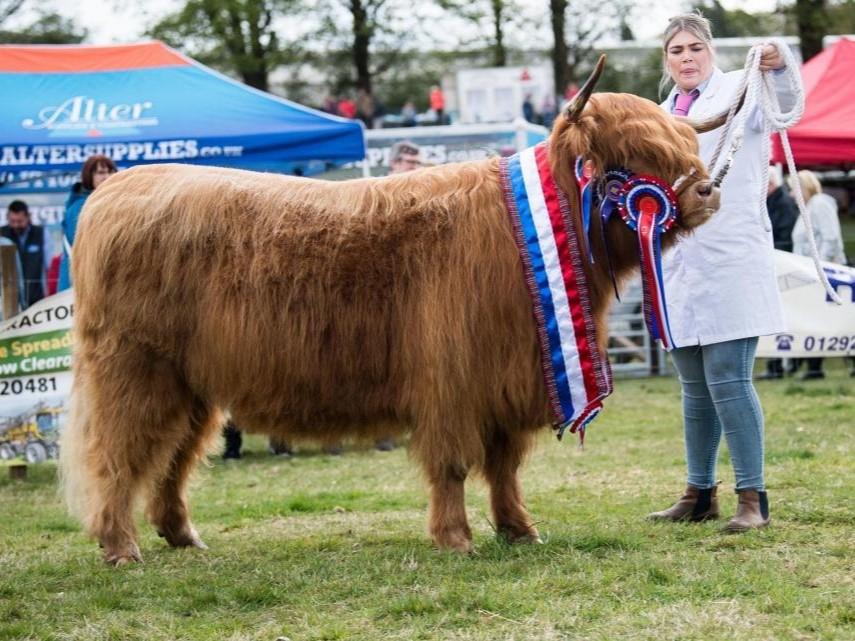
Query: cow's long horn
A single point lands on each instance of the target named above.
(714, 122)
(574, 110)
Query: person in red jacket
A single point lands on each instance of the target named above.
(53, 274)
(347, 108)
(437, 103)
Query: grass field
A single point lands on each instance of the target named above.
(320, 547)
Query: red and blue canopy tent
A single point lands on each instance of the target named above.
(825, 136)
(147, 103)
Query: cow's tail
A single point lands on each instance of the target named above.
(75, 471)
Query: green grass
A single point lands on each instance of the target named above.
(319, 547)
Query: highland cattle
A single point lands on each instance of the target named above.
(307, 308)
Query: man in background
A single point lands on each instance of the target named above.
(30, 241)
(404, 156)
(783, 213)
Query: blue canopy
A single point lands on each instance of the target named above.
(147, 103)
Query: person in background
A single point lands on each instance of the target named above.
(53, 274)
(822, 210)
(547, 110)
(528, 109)
(408, 114)
(437, 103)
(95, 171)
(404, 156)
(346, 107)
(721, 286)
(329, 105)
(783, 213)
(365, 108)
(570, 91)
(19, 270)
(33, 251)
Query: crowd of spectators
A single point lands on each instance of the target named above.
(365, 106)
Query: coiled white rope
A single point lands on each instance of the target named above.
(761, 92)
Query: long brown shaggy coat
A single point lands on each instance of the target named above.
(322, 309)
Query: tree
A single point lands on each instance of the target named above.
(8, 8)
(560, 68)
(841, 17)
(498, 14)
(48, 28)
(237, 35)
(736, 23)
(362, 39)
(812, 21)
(576, 28)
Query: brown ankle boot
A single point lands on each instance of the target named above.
(752, 511)
(695, 505)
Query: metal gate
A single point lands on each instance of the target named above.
(631, 351)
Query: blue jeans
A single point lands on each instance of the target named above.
(718, 395)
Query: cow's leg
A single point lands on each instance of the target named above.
(137, 410)
(447, 451)
(504, 452)
(447, 521)
(167, 503)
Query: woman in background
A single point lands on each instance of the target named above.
(95, 171)
(822, 210)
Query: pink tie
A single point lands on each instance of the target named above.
(684, 102)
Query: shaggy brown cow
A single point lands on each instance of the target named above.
(323, 309)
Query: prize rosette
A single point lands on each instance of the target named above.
(609, 191)
(647, 195)
(649, 207)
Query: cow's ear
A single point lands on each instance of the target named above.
(578, 137)
(573, 111)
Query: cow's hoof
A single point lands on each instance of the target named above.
(189, 540)
(119, 557)
(186, 538)
(454, 541)
(515, 537)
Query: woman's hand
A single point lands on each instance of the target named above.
(771, 58)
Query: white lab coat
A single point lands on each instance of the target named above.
(720, 280)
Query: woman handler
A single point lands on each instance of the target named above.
(721, 286)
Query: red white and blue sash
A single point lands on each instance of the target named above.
(577, 375)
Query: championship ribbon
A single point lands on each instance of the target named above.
(584, 174)
(649, 206)
(608, 193)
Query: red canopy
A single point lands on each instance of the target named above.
(826, 133)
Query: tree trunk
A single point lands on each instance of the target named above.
(361, 42)
(500, 56)
(813, 25)
(557, 10)
(256, 78)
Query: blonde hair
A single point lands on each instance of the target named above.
(694, 23)
(809, 183)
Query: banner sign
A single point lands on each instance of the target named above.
(816, 326)
(146, 103)
(35, 378)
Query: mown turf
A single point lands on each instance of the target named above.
(320, 547)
